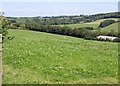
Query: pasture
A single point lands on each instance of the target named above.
(100, 20)
(81, 25)
(94, 24)
(38, 58)
(112, 27)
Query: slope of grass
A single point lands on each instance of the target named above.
(94, 24)
(81, 25)
(113, 27)
(35, 57)
(100, 20)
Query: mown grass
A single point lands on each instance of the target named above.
(36, 57)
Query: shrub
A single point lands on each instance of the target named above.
(116, 40)
(4, 25)
(106, 23)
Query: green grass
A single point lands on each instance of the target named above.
(100, 20)
(113, 27)
(36, 57)
(94, 24)
(81, 25)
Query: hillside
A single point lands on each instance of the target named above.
(63, 20)
(93, 24)
(81, 25)
(36, 57)
(101, 20)
(113, 27)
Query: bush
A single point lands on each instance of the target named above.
(85, 32)
(116, 40)
(4, 25)
(88, 28)
(106, 23)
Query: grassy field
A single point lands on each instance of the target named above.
(81, 25)
(113, 27)
(36, 57)
(94, 24)
(99, 21)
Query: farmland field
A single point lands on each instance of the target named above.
(81, 25)
(100, 20)
(113, 27)
(36, 57)
(94, 24)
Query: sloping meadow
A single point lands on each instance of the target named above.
(36, 57)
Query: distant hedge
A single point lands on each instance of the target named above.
(82, 32)
(85, 32)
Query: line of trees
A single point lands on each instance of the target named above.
(46, 24)
(106, 23)
(3, 23)
(65, 30)
(83, 32)
(57, 20)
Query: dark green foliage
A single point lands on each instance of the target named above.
(65, 30)
(85, 32)
(12, 21)
(4, 25)
(106, 23)
(96, 33)
(5, 32)
(61, 20)
(116, 40)
(88, 28)
(50, 25)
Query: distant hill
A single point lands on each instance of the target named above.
(93, 24)
(58, 20)
(113, 27)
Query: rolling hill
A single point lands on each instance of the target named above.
(100, 20)
(113, 27)
(38, 58)
(81, 25)
(93, 24)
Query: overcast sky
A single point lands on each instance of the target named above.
(56, 8)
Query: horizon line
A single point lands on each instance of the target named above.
(63, 15)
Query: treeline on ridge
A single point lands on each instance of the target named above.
(83, 32)
(48, 24)
(62, 20)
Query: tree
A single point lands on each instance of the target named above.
(106, 23)
(4, 23)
